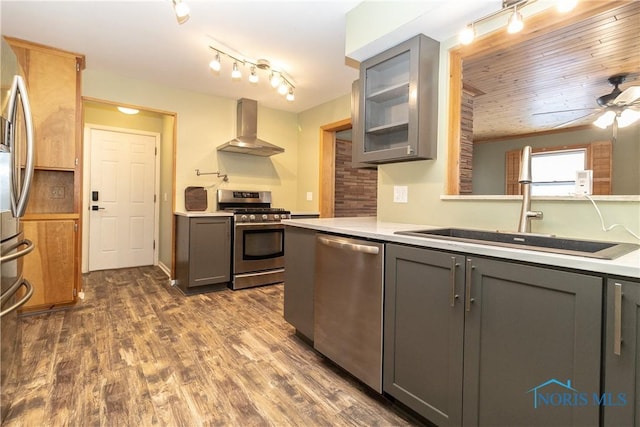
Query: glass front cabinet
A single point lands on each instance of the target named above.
(398, 104)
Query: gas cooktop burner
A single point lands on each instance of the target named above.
(256, 210)
(250, 206)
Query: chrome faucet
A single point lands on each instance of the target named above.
(526, 214)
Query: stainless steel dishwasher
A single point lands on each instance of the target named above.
(348, 305)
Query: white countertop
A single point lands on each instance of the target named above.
(203, 213)
(627, 265)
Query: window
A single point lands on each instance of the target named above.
(553, 173)
(556, 171)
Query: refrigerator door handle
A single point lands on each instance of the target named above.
(15, 255)
(23, 300)
(20, 191)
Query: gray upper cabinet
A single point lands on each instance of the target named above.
(622, 354)
(472, 341)
(397, 114)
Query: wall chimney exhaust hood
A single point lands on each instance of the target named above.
(246, 141)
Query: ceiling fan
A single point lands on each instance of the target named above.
(619, 108)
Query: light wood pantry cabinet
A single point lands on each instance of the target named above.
(621, 403)
(473, 341)
(53, 80)
(398, 104)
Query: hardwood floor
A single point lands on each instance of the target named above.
(137, 352)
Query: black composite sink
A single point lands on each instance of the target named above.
(586, 248)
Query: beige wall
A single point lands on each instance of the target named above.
(204, 122)
(308, 147)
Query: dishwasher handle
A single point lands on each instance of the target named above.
(344, 244)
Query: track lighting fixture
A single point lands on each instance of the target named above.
(253, 77)
(467, 35)
(277, 78)
(182, 11)
(515, 22)
(215, 64)
(236, 74)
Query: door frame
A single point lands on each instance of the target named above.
(86, 187)
(327, 178)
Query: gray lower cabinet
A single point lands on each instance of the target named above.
(621, 403)
(473, 341)
(203, 251)
(299, 267)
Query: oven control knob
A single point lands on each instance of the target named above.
(276, 216)
(265, 217)
(284, 216)
(252, 217)
(243, 218)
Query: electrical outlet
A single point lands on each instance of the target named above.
(56, 192)
(309, 196)
(400, 194)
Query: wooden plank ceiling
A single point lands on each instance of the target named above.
(566, 69)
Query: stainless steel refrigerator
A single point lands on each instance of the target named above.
(16, 173)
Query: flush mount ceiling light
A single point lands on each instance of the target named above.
(127, 110)
(276, 77)
(182, 11)
(515, 22)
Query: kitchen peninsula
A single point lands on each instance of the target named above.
(492, 323)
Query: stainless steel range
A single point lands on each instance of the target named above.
(258, 237)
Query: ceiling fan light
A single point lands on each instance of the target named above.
(605, 119)
(565, 6)
(516, 24)
(283, 88)
(290, 95)
(627, 117)
(467, 35)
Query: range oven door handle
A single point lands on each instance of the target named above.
(23, 300)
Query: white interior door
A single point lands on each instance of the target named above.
(121, 229)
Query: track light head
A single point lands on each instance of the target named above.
(516, 24)
(236, 74)
(182, 11)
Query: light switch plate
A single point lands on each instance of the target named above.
(400, 194)
(309, 196)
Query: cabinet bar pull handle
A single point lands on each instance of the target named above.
(617, 318)
(454, 265)
(468, 299)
